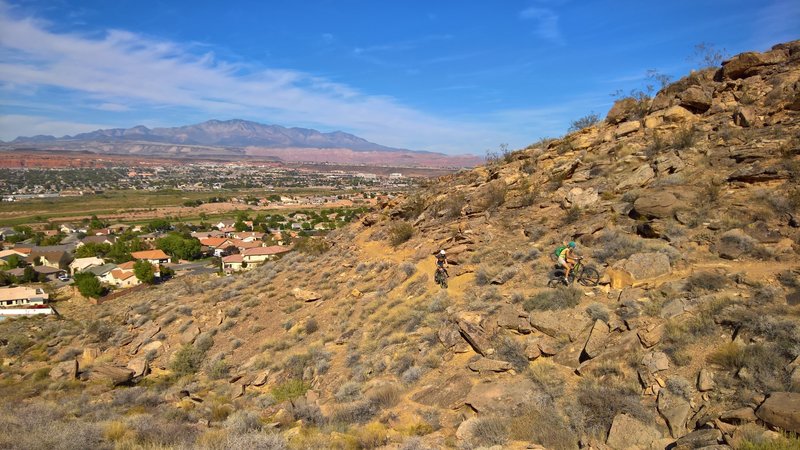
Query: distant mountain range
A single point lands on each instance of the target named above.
(237, 139)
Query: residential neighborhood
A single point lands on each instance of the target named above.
(96, 258)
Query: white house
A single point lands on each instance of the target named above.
(22, 296)
(81, 264)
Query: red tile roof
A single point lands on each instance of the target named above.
(150, 254)
(271, 250)
(237, 258)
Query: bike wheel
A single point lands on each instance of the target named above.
(555, 282)
(589, 276)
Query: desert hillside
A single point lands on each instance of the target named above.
(687, 203)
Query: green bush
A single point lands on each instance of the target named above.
(290, 390)
(187, 360)
(554, 299)
(400, 232)
(89, 285)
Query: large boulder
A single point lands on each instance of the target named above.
(696, 99)
(675, 411)
(623, 109)
(597, 339)
(66, 370)
(749, 63)
(781, 409)
(643, 266)
(486, 365)
(629, 433)
(448, 395)
(506, 396)
(627, 128)
(640, 177)
(582, 198)
(699, 439)
(678, 114)
(305, 295)
(148, 331)
(659, 204)
(110, 374)
(477, 337)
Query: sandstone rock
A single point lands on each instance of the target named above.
(633, 295)
(675, 411)
(746, 64)
(695, 98)
(642, 266)
(190, 334)
(355, 293)
(89, 355)
(739, 415)
(660, 204)
(640, 177)
(512, 317)
(699, 439)
(139, 366)
(147, 332)
(597, 339)
(678, 114)
(629, 433)
(66, 370)
(618, 278)
(467, 430)
(477, 337)
(305, 295)
(485, 365)
(506, 397)
(655, 362)
(759, 173)
(745, 116)
(651, 335)
(781, 409)
(705, 381)
(582, 198)
(451, 394)
(547, 346)
(627, 128)
(557, 324)
(532, 351)
(450, 337)
(623, 109)
(733, 244)
(669, 164)
(654, 120)
(283, 417)
(110, 374)
(761, 232)
(151, 346)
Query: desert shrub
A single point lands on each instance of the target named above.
(490, 195)
(411, 375)
(289, 390)
(233, 311)
(227, 325)
(185, 310)
(17, 345)
(187, 360)
(611, 246)
(169, 319)
(308, 412)
(371, 435)
(508, 349)
(526, 255)
(311, 326)
(548, 381)
(597, 311)
(758, 441)
(361, 411)
(400, 232)
(439, 303)
(706, 282)
(683, 138)
(489, 431)
(599, 404)
(482, 276)
(680, 386)
(554, 299)
(418, 286)
(154, 433)
(218, 369)
(746, 245)
(204, 342)
(573, 214)
(255, 440)
(506, 275)
(347, 392)
(408, 268)
(71, 354)
(544, 426)
(452, 205)
(241, 422)
(311, 246)
(414, 443)
(384, 396)
(584, 122)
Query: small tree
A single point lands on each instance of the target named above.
(144, 272)
(89, 285)
(13, 262)
(584, 122)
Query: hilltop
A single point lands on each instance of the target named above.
(241, 139)
(687, 202)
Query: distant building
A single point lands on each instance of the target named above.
(395, 176)
(22, 296)
(155, 257)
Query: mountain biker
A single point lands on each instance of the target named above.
(441, 261)
(567, 258)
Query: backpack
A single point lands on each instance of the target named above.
(558, 251)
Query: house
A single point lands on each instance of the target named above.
(249, 236)
(261, 254)
(99, 239)
(103, 232)
(233, 263)
(5, 254)
(81, 264)
(50, 233)
(123, 278)
(118, 228)
(224, 224)
(22, 296)
(151, 237)
(207, 234)
(67, 228)
(6, 233)
(219, 245)
(154, 257)
(50, 273)
(103, 272)
(58, 259)
(228, 231)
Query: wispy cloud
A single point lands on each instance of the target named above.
(38, 125)
(778, 21)
(545, 22)
(120, 69)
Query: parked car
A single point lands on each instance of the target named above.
(63, 277)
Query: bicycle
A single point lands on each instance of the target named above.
(441, 277)
(585, 275)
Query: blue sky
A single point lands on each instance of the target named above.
(447, 75)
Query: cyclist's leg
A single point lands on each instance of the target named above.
(563, 263)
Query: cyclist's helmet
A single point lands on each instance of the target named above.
(572, 244)
(442, 253)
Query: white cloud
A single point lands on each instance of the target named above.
(546, 23)
(123, 68)
(113, 107)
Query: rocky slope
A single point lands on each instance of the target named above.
(687, 203)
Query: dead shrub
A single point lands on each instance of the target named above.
(544, 426)
(554, 299)
(706, 282)
(508, 349)
(491, 195)
(400, 232)
(487, 431)
(598, 405)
